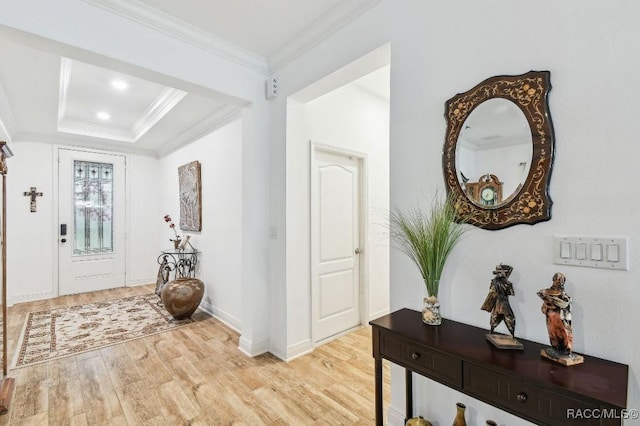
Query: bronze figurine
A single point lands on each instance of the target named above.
(556, 306)
(497, 302)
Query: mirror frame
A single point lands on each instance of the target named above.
(531, 203)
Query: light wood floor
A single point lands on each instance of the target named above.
(194, 375)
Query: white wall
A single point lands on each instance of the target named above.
(86, 32)
(504, 162)
(438, 50)
(144, 213)
(352, 119)
(32, 237)
(220, 263)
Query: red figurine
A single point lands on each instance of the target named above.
(556, 306)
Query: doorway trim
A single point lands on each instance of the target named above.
(55, 290)
(363, 259)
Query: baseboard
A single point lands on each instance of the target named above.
(244, 345)
(395, 417)
(140, 281)
(299, 349)
(280, 355)
(223, 316)
(29, 297)
(379, 314)
(294, 351)
(251, 349)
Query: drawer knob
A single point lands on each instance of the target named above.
(415, 355)
(522, 397)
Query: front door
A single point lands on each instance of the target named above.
(91, 212)
(336, 244)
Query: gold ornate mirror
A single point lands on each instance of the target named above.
(498, 151)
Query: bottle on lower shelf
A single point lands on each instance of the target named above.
(460, 420)
(418, 421)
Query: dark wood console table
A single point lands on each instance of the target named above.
(519, 382)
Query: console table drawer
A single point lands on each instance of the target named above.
(526, 399)
(427, 362)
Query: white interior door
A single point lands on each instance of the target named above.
(91, 214)
(335, 244)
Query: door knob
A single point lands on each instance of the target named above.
(358, 251)
(63, 240)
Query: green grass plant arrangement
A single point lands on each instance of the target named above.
(428, 237)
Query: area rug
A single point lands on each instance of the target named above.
(61, 332)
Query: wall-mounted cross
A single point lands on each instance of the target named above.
(33, 194)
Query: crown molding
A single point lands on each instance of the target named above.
(4, 132)
(327, 24)
(222, 117)
(205, 126)
(171, 26)
(55, 139)
(158, 109)
(94, 131)
(323, 27)
(8, 124)
(66, 65)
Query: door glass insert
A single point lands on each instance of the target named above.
(93, 207)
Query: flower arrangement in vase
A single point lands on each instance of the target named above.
(428, 237)
(177, 239)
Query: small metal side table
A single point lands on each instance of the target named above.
(176, 262)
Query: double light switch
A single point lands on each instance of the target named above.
(595, 252)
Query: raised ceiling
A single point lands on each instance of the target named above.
(101, 103)
(52, 99)
(49, 98)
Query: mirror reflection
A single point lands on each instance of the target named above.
(493, 153)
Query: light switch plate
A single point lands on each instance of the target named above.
(592, 252)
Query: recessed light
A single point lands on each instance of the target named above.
(104, 116)
(119, 84)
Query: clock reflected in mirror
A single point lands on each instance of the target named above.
(488, 196)
(486, 192)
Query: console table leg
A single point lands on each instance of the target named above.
(378, 374)
(408, 380)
